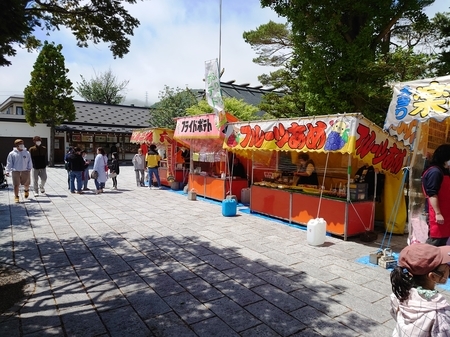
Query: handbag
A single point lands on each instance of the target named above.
(112, 175)
(94, 174)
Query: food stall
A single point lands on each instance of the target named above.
(172, 172)
(419, 116)
(209, 173)
(338, 145)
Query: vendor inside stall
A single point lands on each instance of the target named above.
(306, 171)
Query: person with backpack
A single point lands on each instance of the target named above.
(152, 160)
(436, 187)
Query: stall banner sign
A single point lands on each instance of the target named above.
(213, 93)
(419, 100)
(327, 133)
(377, 148)
(199, 127)
(158, 136)
(342, 134)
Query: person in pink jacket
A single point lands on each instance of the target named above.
(417, 307)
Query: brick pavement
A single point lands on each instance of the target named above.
(140, 262)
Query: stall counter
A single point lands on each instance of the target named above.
(300, 208)
(216, 188)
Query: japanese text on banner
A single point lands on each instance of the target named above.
(213, 94)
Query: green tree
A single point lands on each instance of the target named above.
(47, 98)
(173, 103)
(16, 26)
(104, 88)
(441, 24)
(272, 42)
(96, 21)
(344, 54)
(237, 107)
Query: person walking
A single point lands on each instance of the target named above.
(152, 160)
(114, 169)
(139, 167)
(39, 158)
(19, 165)
(77, 167)
(436, 187)
(85, 176)
(101, 167)
(67, 165)
(417, 307)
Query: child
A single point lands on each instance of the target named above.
(416, 305)
(114, 169)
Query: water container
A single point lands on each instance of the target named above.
(316, 231)
(229, 207)
(245, 196)
(192, 195)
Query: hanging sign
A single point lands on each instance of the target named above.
(419, 100)
(212, 90)
(304, 134)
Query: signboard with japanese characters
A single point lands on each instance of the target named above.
(419, 101)
(348, 133)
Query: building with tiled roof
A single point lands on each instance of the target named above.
(95, 125)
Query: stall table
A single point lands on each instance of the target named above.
(215, 187)
(300, 208)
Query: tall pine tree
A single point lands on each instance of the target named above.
(48, 97)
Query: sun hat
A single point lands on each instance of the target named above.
(422, 258)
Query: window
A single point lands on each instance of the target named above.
(19, 110)
(8, 111)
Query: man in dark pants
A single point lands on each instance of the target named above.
(38, 154)
(77, 166)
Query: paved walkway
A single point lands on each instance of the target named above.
(140, 262)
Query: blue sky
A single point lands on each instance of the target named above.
(170, 47)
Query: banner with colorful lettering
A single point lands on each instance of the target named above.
(350, 133)
(157, 136)
(419, 101)
(213, 93)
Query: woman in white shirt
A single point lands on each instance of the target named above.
(101, 166)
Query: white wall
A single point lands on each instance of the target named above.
(21, 130)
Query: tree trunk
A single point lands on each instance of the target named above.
(51, 161)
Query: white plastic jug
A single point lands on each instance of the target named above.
(316, 231)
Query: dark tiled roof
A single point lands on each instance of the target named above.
(97, 117)
(250, 95)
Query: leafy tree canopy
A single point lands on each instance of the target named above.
(47, 98)
(272, 43)
(103, 88)
(173, 103)
(345, 52)
(91, 20)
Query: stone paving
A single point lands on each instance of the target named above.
(141, 262)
